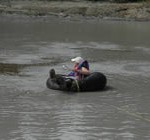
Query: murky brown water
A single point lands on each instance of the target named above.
(29, 47)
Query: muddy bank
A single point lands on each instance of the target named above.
(126, 11)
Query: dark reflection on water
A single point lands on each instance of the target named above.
(9, 68)
(13, 69)
(30, 47)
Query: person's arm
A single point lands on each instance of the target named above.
(84, 71)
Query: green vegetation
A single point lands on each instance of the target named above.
(120, 1)
(101, 0)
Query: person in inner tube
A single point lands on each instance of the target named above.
(80, 69)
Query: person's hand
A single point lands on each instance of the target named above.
(74, 69)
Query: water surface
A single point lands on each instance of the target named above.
(30, 46)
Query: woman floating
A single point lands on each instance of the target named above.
(80, 69)
(79, 79)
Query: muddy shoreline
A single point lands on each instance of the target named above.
(112, 11)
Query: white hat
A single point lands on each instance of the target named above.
(77, 59)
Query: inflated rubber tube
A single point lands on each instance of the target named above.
(94, 82)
